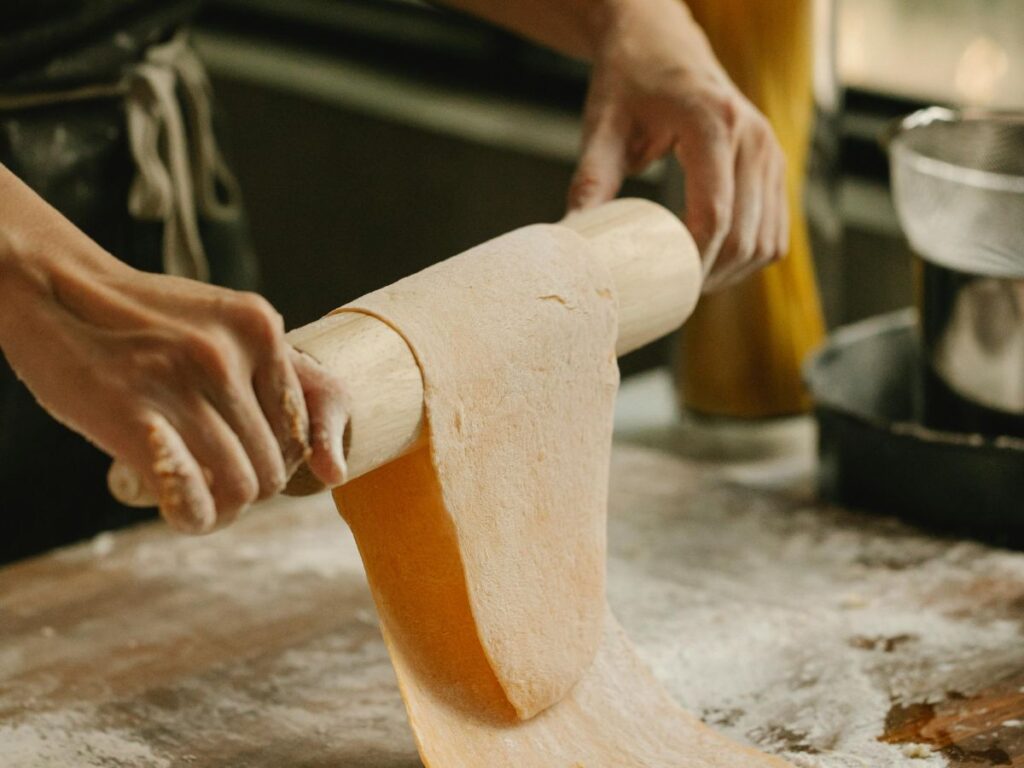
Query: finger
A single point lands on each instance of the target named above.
(771, 213)
(646, 146)
(279, 392)
(783, 232)
(231, 477)
(710, 189)
(775, 221)
(328, 419)
(176, 478)
(740, 245)
(602, 163)
(243, 413)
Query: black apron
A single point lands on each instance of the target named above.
(92, 147)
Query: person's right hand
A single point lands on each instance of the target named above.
(657, 88)
(191, 385)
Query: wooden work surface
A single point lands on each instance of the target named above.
(834, 639)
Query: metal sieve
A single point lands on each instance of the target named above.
(958, 186)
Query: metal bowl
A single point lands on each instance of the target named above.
(958, 187)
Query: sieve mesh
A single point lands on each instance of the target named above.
(958, 186)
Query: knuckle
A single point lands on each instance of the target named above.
(272, 484)
(209, 357)
(235, 490)
(727, 111)
(711, 112)
(156, 363)
(273, 475)
(258, 319)
(761, 138)
(746, 249)
(585, 184)
(761, 127)
(719, 217)
(741, 247)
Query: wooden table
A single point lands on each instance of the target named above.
(834, 639)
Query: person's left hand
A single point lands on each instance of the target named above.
(658, 88)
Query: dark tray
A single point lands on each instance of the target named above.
(875, 454)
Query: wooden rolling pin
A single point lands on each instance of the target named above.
(657, 273)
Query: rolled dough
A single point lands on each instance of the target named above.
(485, 550)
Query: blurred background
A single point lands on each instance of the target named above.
(373, 137)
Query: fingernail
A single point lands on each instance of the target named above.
(184, 516)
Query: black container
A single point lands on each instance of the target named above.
(875, 454)
(966, 323)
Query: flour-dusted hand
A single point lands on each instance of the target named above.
(191, 385)
(657, 88)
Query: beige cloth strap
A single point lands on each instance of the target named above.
(179, 169)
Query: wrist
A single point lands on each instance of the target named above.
(641, 23)
(600, 21)
(39, 247)
(23, 277)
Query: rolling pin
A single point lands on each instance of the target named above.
(653, 262)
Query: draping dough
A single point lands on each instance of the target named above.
(485, 549)
(515, 340)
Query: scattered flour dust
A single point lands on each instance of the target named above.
(66, 739)
(788, 626)
(798, 628)
(102, 544)
(336, 691)
(917, 750)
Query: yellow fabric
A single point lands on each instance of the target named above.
(743, 347)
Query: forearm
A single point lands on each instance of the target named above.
(572, 27)
(22, 271)
(36, 242)
(183, 382)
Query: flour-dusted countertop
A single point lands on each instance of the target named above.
(809, 631)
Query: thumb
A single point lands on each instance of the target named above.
(329, 425)
(602, 164)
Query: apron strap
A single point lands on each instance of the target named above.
(175, 178)
(180, 171)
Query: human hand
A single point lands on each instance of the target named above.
(192, 386)
(657, 88)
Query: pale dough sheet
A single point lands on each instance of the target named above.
(486, 551)
(516, 342)
(617, 717)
